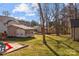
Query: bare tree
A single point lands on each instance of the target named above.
(6, 13)
(57, 19)
(43, 22)
(76, 11)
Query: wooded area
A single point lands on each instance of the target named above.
(55, 17)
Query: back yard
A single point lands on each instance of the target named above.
(56, 45)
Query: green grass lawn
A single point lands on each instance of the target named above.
(56, 45)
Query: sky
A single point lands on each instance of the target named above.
(25, 11)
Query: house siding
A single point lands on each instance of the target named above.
(29, 33)
(72, 33)
(11, 31)
(76, 33)
(2, 27)
(20, 32)
(3, 20)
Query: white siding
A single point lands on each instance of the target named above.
(29, 33)
(77, 33)
(4, 19)
(20, 33)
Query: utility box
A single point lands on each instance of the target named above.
(75, 29)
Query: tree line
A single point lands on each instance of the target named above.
(57, 16)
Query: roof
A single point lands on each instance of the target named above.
(21, 26)
(4, 19)
(74, 22)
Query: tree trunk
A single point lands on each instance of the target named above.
(57, 20)
(43, 22)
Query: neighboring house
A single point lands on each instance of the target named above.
(69, 12)
(37, 29)
(75, 29)
(14, 28)
(52, 30)
(3, 21)
(20, 30)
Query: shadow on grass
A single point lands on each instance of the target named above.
(64, 44)
(18, 39)
(68, 37)
(52, 50)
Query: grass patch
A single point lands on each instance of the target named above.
(62, 45)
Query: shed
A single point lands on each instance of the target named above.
(20, 30)
(75, 29)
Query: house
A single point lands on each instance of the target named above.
(37, 29)
(20, 30)
(75, 29)
(3, 21)
(69, 12)
(14, 28)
